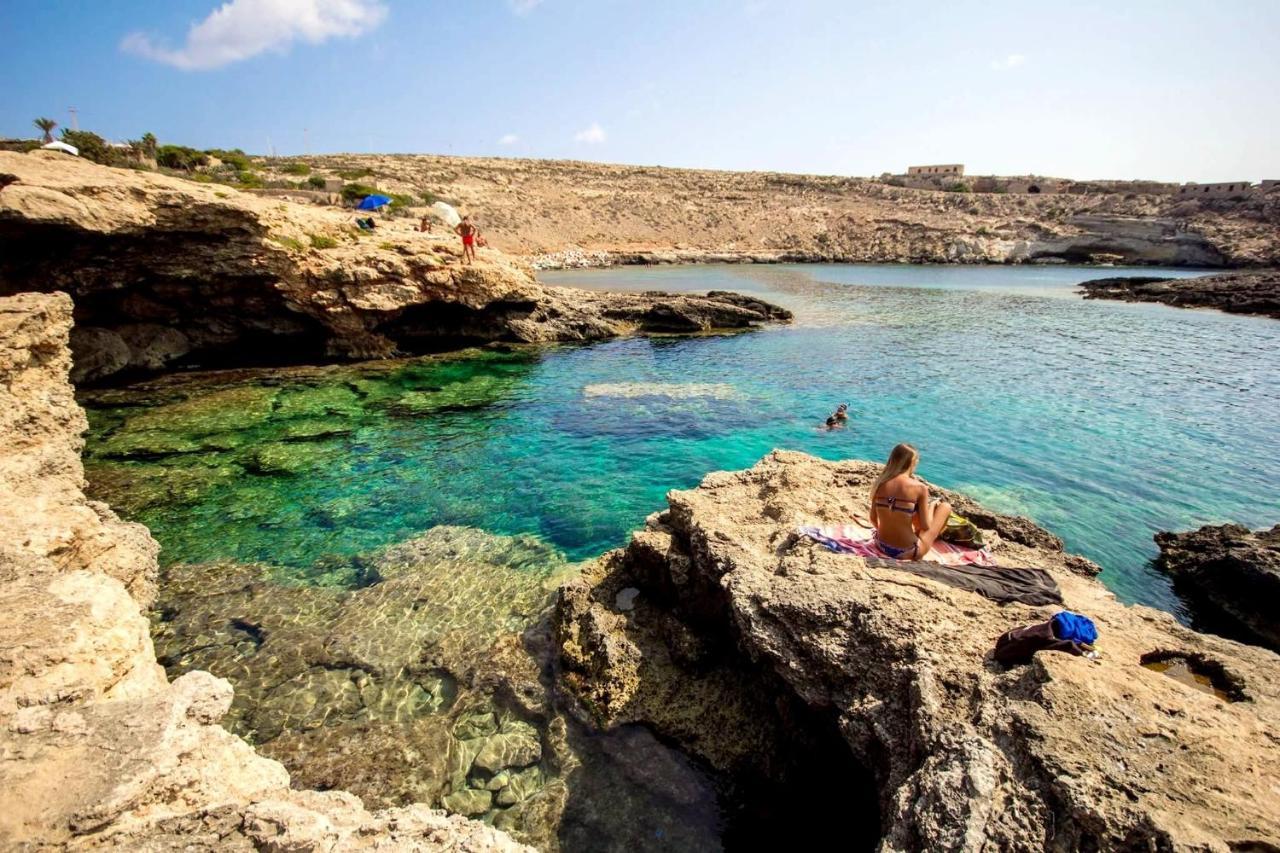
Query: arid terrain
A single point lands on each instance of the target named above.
(641, 213)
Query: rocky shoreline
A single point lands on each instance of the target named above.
(167, 273)
(97, 748)
(895, 670)
(1230, 576)
(1241, 292)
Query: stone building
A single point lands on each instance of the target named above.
(1220, 190)
(953, 170)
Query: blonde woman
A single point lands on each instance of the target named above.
(905, 522)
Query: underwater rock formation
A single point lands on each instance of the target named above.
(1254, 292)
(1060, 754)
(98, 748)
(1230, 576)
(168, 272)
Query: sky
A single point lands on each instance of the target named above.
(1159, 89)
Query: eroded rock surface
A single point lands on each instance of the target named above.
(1237, 292)
(1060, 754)
(1230, 576)
(97, 748)
(166, 271)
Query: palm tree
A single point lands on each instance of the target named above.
(47, 125)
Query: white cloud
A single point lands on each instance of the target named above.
(240, 29)
(509, 139)
(523, 7)
(592, 135)
(1013, 60)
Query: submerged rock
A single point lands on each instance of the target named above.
(1063, 753)
(1230, 576)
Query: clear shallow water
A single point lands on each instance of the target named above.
(1102, 421)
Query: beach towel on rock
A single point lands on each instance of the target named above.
(860, 540)
(964, 571)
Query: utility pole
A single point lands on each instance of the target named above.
(75, 118)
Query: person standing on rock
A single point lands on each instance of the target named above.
(469, 234)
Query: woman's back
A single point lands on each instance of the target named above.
(897, 505)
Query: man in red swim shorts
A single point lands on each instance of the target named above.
(469, 233)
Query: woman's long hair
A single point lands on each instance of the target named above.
(903, 458)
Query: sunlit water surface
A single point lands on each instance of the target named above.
(1103, 421)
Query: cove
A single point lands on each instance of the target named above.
(1103, 422)
(368, 551)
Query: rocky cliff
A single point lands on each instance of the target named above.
(874, 672)
(1230, 576)
(1252, 292)
(169, 271)
(653, 214)
(97, 748)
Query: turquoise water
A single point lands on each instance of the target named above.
(1102, 421)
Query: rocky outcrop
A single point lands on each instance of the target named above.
(1163, 744)
(1236, 293)
(166, 271)
(97, 748)
(1230, 577)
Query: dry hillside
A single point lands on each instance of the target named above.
(533, 207)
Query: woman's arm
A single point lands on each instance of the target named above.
(920, 521)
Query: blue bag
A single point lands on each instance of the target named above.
(1074, 627)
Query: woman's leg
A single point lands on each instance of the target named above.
(941, 512)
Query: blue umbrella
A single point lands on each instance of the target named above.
(373, 202)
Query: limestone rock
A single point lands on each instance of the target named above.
(99, 750)
(1230, 576)
(516, 745)
(1062, 753)
(164, 267)
(1236, 292)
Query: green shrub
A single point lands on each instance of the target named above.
(180, 157)
(316, 182)
(958, 187)
(352, 193)
(354, 174)
(235, 158)
(319, 241)
(92, 146)
(250, 179)
(297, 169)
(287, 242)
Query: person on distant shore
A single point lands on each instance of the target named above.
(907, 523)
(469, 234)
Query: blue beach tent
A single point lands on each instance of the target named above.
(373, 202)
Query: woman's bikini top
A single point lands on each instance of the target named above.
(897, 505)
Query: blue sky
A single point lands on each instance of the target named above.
(1172, 90)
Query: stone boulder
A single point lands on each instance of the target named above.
(1230, 577)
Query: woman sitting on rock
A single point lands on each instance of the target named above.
(905, 522)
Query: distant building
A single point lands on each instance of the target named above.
(333, 185)
(1268, 185)
(953, 170)
(1228, 188)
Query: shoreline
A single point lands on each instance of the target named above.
(572, 259)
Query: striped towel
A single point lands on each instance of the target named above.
(860, 540)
